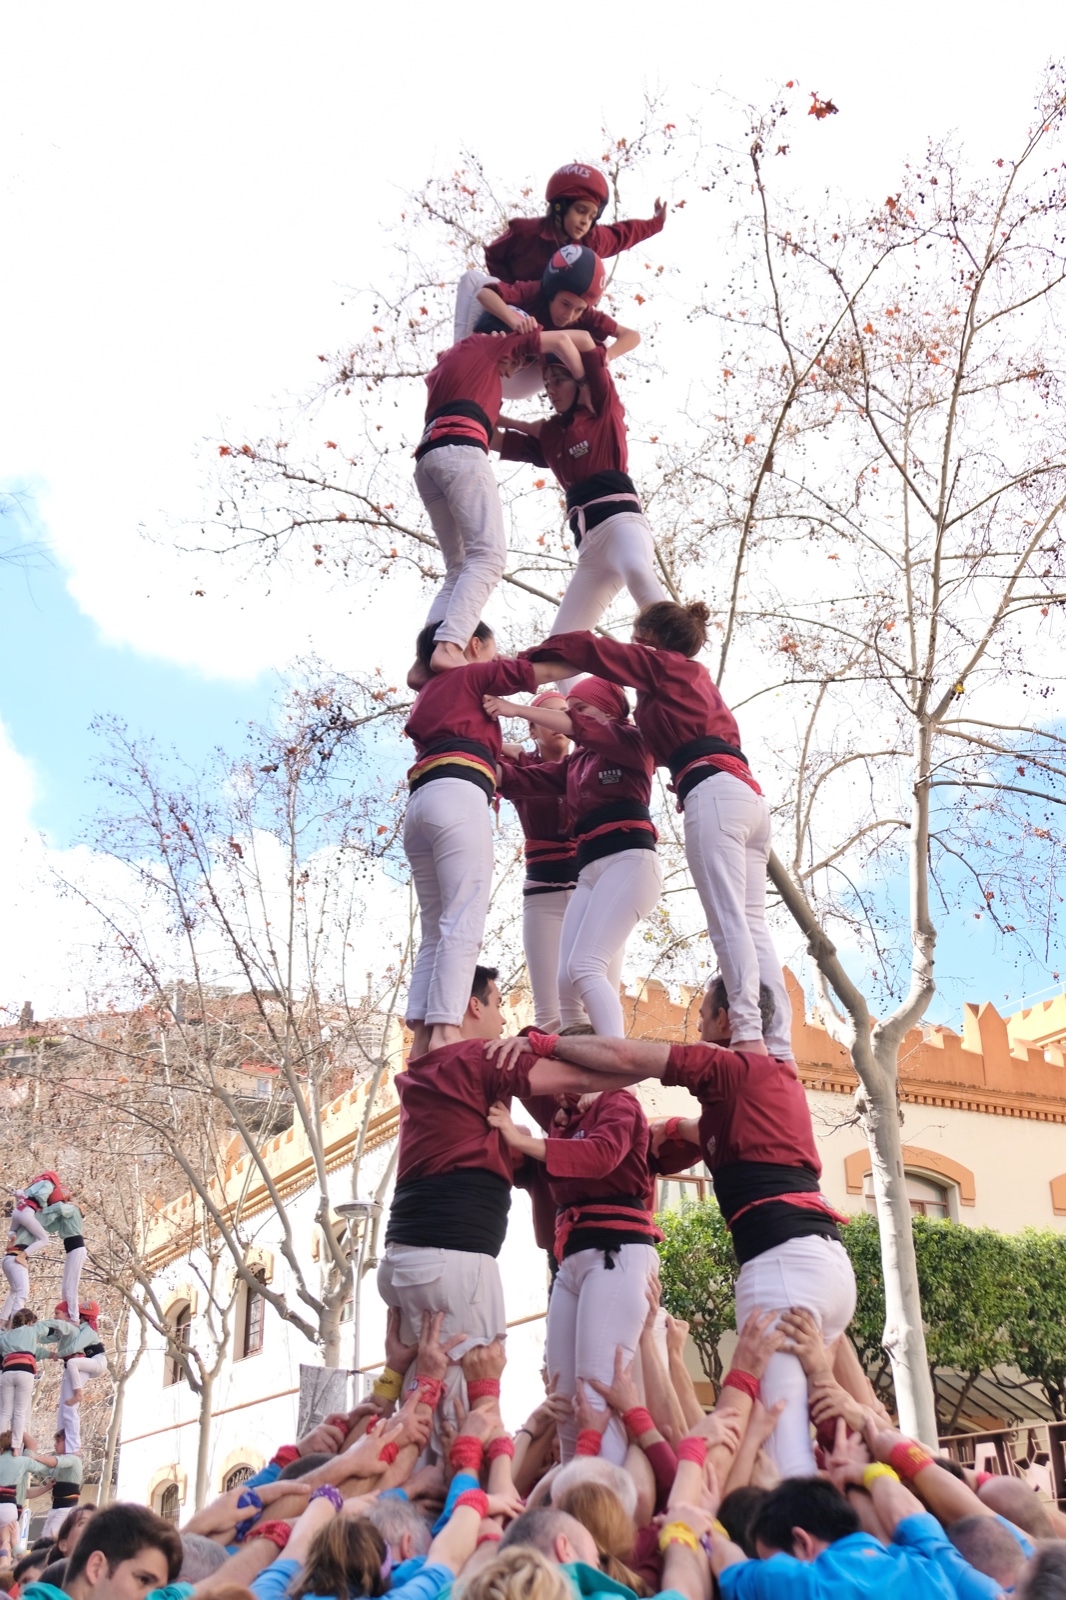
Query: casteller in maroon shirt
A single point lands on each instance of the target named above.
(679, 706)
(530, 242)
(598, 1159)
(585, 443)
(758, 1142)
(452, 732)
(465, 388)
(550, 849)
(530, 298)
(454, 1172)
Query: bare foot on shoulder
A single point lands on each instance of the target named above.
(446, 656)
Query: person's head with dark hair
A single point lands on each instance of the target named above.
(344, 1561)
(949, 1464)
(123, 1552)
(29, 1569)
(480, 647)
(302, 1464)
(715, 1027)
(71, 1527)
(737, 1513)
(556, 1534)
(55, 1573)
(802, 1517)
(990, 1547)
(1044, 1577)
(5, 1442)
(1014, 1499)
(666, 625)
(24, 1319)
(483, 1018)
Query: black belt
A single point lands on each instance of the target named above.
(598, 487)
(436, 430)
(458, 769)
(614, 817)
(707, 745)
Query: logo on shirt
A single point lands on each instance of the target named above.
(580, 1134)
(579, 449)
(611, 775)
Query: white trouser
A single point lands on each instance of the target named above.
(542, 926)
(464, 1285)
(75, 1260)
(18, 1278)
(55, 1520)
(592, 1311)
(618, 552)
(25, 1217)
(611, 897)
(468, 308)
(76, 1373)
(448, 839)
(68, 1422)
(16, 1400)
(727, 842)
(462, 502)
(815, 1273)
(9, 1516)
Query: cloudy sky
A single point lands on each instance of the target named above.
(188, 195)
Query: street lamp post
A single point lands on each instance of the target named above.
(358, 1215)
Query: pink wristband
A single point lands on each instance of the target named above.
(285, 1456)
(908, 1459)
(490, 1536)
(736, 1379)
(542, 1044)
(482, 1388)
(389, 1452)
(982, 1478)
(476, 1498)
(638, 1420)
(503, 1446)
(692, 1450)
(589, 1442)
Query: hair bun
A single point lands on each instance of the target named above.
(699, 611)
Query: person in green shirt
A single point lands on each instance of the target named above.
(15, 1473)
(65, 1220)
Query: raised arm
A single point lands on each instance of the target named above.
(512, 317)
(558, 342)
(591, 1060)
(628, 339)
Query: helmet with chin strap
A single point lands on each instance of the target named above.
(576, 181)
(89, 1311)
(576, 270)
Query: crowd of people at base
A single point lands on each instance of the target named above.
(414, 1495)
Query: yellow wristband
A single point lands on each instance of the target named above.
(390, 1385)
(720, 1529)
(877, 1469)
(678, 1533)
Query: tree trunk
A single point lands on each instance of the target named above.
(107, 1471)
(203, 1447)
(904, 1337)
(329, 1333)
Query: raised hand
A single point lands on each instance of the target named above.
(803, 1339)
(434, 1357)
(757, 1342)
(398, 1356)
(621, 1394)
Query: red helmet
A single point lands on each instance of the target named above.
(576, 181)
(89, 1311)
(62, 1310)
(59, 1191)
(577, 269)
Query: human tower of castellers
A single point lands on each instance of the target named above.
(619, 1483)
(43, 1211)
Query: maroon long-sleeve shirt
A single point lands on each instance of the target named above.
(449, 706)
(599, 1152)
(609, 764)
(550, 847)
(530, 242)
(757, 1140)
(465, 389)
(588, 443)
(678, 702)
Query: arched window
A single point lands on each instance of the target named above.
(237, 1476)
(254, 1307)
(180, 1338)
(927, 1198)
(166, 1502)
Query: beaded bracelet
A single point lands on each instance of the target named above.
(326, 1491)
(277, 1532)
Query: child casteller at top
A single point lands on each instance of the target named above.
(577, 195)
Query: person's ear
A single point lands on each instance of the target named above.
(407, 1545)
(563, 1550)
(802, 1545)
(96, 1567)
